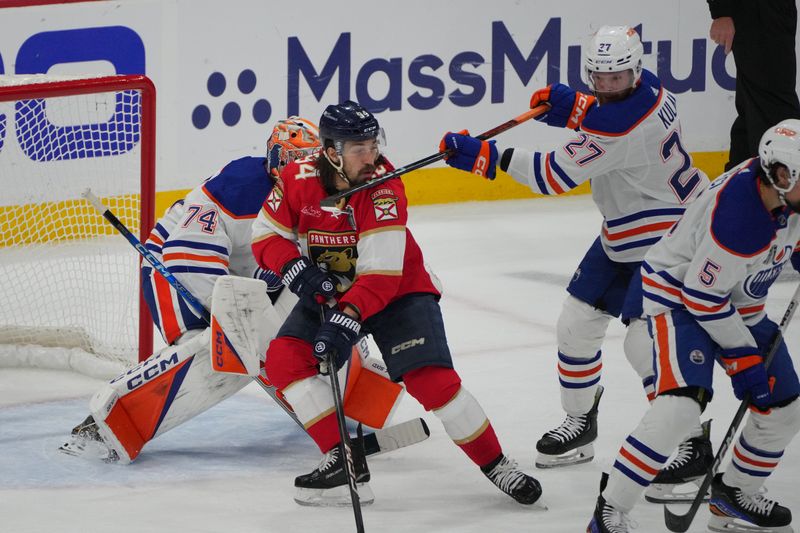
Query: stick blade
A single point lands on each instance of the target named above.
(676, 522)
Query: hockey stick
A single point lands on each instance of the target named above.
(681, 523)
(381, 441)
(346, 448)
(329, 203)
(349, 467)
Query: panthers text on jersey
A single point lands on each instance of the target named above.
(367, 247)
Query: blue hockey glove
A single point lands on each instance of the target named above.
(337, 334)
(470, 154)
(309, 282)
(568, 108)
(748, 374)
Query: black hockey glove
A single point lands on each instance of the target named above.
(337, 334)
(308, 281)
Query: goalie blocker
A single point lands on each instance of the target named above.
(181, 381)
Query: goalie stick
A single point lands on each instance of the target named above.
(330, 203)
(381, 441)
(681, 523)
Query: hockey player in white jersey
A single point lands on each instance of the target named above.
(628, 143)
(200, 238)
(705, 284)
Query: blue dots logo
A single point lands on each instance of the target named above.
(231, 111)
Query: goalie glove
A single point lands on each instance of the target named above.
(309, 282)
(337, 334)
(470, 154)
(568, 108)
(748, 375)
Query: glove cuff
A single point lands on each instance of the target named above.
(345, 321)
(292, 269)
(739, 359)
(582, 104)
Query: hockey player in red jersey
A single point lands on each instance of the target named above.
(705, 285)
(628, 143)
(200, 238)
(365, 257)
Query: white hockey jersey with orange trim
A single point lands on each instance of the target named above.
(720, 259)
(208, 234)
(641, 176)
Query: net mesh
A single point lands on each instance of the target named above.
(67, 278)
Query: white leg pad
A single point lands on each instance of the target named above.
(638, 348)
(160, 393)
(580, 331)
(311, 398)
(463, 417)
(243, 322)
(663, 427)
(581, 328)
(759, 448)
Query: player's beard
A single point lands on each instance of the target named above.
(364, 174)
(610, 97)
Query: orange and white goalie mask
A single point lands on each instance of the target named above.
(291, 139)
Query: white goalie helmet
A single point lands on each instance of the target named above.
(614, 49)
(781, 144)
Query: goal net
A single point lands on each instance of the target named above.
(67, 280)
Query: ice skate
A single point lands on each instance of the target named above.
(85, 441)
(733, 511)
(327, 486)
(679, 481)
(507, 476)
(608, 519)
(571, 442)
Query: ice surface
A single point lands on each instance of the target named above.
(504, 266)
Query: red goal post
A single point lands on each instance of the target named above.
(67, 279)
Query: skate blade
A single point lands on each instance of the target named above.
(580, 455)
(88, 449)
(539, 505)
(669, 493)
(728, 524)
(335, 497)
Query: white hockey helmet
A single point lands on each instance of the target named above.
(614, 49)
(781, 144)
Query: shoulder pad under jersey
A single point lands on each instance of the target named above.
(740, 223)
(241, 187)
(618, 118)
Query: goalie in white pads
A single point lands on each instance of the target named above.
(705, 285)
(201, 238)
(628, 144)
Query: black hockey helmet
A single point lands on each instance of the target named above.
(347, 121)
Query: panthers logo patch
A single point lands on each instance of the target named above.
(274, 199)
(338, 251)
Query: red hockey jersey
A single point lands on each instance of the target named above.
(368, 249)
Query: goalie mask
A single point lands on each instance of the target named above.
(613, 49)
(291, 139)
(780, 145)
